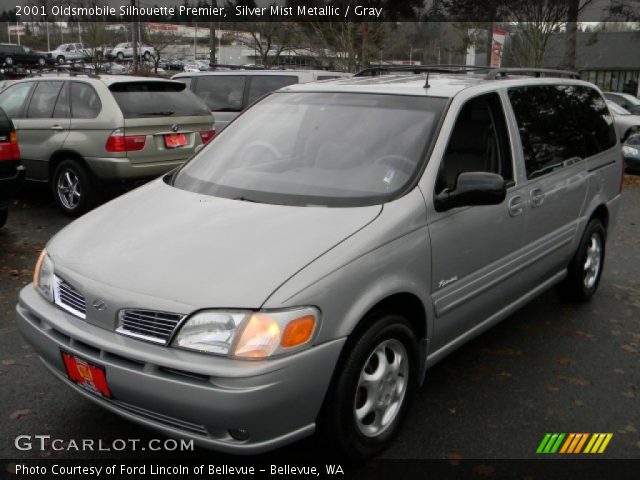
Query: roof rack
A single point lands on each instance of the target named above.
(497, 73)
(444, 68)
(492, 72)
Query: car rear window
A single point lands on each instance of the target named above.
(221, 93)
(157, 99)
(5, 125)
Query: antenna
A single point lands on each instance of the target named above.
(426, 83)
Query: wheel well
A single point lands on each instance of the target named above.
(406, 304)
(58, 157)
(602, 214)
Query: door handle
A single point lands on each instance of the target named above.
(537, 197)
(57, 127)
(516, 206)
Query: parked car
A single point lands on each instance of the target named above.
(304, 269)
(125, 50)
(78, 132)
(229, 92)
(16, 55)
(626, 123)
(626, 101)
(631, 153)
(69, 52)
(11, 170)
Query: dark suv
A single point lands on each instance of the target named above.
(11, 54)
(11, 171)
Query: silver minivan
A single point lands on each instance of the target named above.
(304, 269)
(81, 131)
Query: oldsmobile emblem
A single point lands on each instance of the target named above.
(99, 305)
(175, 128)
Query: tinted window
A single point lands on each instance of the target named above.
(85, 102)
(221, 93)
(261, 85)
(43, 99)
(479, 143)
(559, 124)
(185, 80)
(333, 149)
(328, 77)
(12, 100)
(156, 99)
(5, 126)
(62, 109)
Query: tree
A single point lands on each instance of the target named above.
(159, 38)
(536, 21)
(574, 8)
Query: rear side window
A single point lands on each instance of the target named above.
(85, 102)
(62, 109)
(261, 85)
(13, 99)
(560, 124)
(157, 99)
(5, 126)
(43, 99)
(221, 93)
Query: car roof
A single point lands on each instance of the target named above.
(105, 79)
(440, 85)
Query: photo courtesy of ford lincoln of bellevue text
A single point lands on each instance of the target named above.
(295, 236)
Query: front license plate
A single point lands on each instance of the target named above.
(86, 375)
(174, 140)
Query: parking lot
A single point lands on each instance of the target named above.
(551, 367)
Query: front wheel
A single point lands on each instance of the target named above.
(586, 266)
(369, 395)
(8, 61)
(120, 56)
(73, 188)
(60, 60)
(147, 56)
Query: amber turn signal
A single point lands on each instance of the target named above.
(298, 331)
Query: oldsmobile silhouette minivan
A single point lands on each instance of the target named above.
(305, 268)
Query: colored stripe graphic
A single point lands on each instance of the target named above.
(574, 443)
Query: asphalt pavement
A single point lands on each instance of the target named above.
(551, 367)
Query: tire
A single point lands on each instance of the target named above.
(147, 56)
(586, 266)
(120, 56)
(73, 188)
(390, 338)
(60, 60)
(8, 61)
(4, 214)
(42, 61)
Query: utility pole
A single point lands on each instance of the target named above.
(134, 35)
(212, 37)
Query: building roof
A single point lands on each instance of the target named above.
(598, 51)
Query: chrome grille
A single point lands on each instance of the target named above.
(68, 298)
(148, 325)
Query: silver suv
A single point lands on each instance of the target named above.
(304, 269)
(80, 131)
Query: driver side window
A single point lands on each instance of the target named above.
(479, 142)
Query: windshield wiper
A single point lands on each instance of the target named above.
(166, 113)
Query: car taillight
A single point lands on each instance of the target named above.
(9, 150)
(119, 142)
(207, 135)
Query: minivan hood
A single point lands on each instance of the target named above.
(197, 250)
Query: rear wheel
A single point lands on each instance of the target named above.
(42, 61)
(120, 56)
(8, 61)
(73, 188)
(147, 56)
(369, 395)
(60, 60)
(585, 269)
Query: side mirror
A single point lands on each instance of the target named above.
(473, 188)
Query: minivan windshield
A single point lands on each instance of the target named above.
(308, 148)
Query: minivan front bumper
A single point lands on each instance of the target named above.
(275, 402)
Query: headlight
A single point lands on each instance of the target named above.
(629, 151)
(247, 334)
(43, 275)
